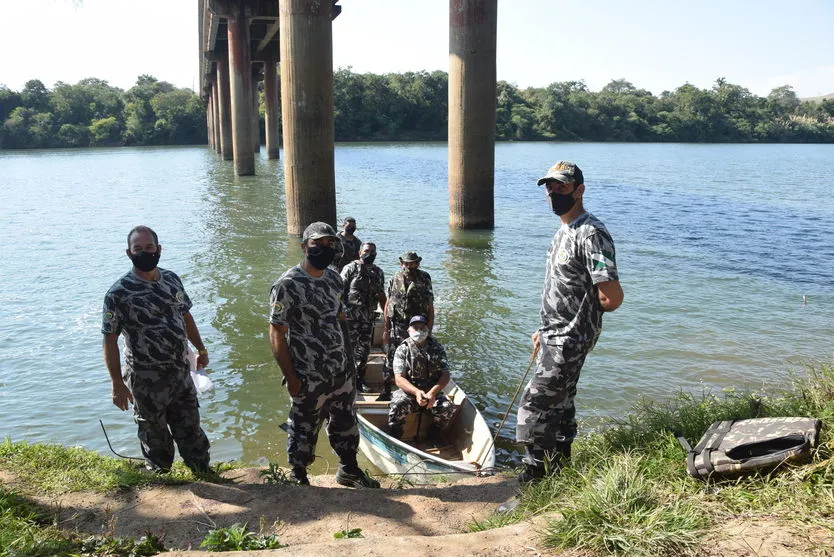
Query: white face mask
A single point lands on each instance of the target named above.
(418, 336)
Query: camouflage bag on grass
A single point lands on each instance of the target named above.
(737, 447)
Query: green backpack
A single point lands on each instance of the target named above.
(736, 447)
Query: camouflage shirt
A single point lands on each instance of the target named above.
(350, 250)
(363, 285)
(423, 367)
(580, 256)
(310, 306)
(409, 295)
(149, 314)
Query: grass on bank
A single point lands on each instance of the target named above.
(54, 469)
(627, 491)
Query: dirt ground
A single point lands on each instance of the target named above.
(415, 521)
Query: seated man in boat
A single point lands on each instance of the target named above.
(421, 371)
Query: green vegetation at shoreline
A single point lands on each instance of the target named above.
(627, 492)
(94, 113)
(413, 106)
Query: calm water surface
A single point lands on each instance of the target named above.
(716, 246)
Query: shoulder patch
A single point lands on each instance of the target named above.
(108, 315)
(562, 256)
(179, 296)
(277, 307)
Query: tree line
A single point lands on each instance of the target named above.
(94, 113)
(413, 106)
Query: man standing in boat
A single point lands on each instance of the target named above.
(149, 307)
(409, 294)
(364, 290)
(308, 341)
(350, 244)
(421, 371)
(581, 283)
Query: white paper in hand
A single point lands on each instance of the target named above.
(202, 382)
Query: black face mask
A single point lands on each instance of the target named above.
(350, 229)
(320, 256)
(368, 258)
(561, 203)
(145, 261)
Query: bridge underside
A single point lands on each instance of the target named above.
(242, 43)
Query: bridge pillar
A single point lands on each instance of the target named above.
(209, 120)
(240, 85)
(472, 88)
(272, 119)
(215, 105)
(256, 117)
(224, 108)
(306, 41)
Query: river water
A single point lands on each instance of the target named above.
(717, 245)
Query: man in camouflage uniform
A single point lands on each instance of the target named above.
(350, 244)
(581, 283)
(306, 332)
(421, 371)
(364, 290)
(149, 307)
(409, 294)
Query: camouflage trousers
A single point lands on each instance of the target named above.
(328, 396)
(166, 410)
(546, 413)
(361, 333)
(403, 404)
(398, 334)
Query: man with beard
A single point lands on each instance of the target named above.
(306, 332)
(409, 294)
(150, 308)
(364, 290)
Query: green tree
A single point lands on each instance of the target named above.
(105, 131)
(35, 96)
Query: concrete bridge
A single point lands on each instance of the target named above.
(245, 41)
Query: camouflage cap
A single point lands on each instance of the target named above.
(563, 171)
(318, 230)
(418, 319)
(410, 257)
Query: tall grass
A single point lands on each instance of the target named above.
(627, 491)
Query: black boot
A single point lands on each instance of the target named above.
(349, 474)
(299, 474)
(535, 465)
(361, 387)
(385, 394)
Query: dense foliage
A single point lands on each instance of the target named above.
(92, 113)
(414, 106)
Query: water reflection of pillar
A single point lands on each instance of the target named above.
(469, 312)
(249, 250)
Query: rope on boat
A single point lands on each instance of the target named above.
(111, 446)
